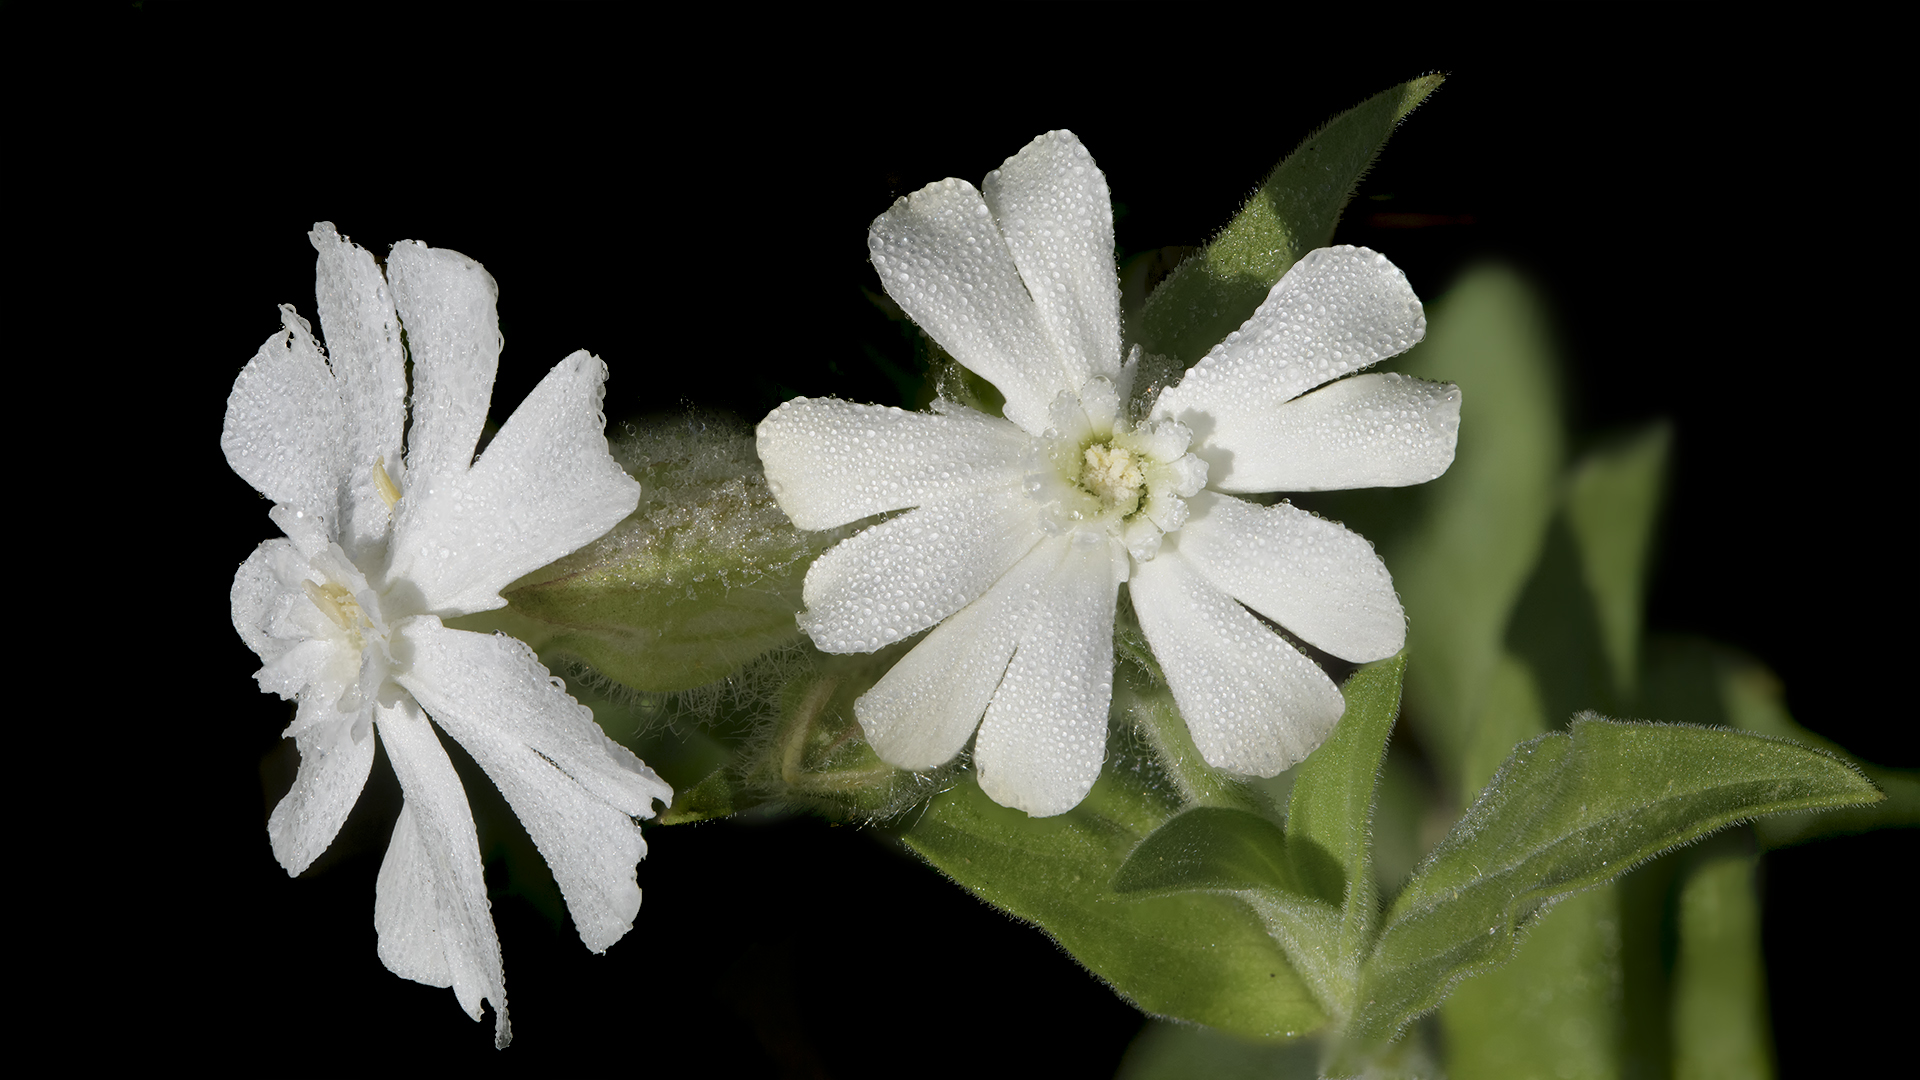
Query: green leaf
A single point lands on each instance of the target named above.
(1330, 811)
(1313, 884)
(1568, 812)
(1552, 1011)
(1702, 682)
(1461, 568)
(1211, 848)
(1196, 956)
(1209, 295)
(1720, 1025)
(704, 576)
(1612, 498)
(1218, 849)
(1165, 1051)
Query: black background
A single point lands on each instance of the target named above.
(1712, 207)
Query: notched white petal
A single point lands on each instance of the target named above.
(546, 485)
(369, 365)
(1252, 702)
(576, 791)
(1044, 736)
(447, 303)
(1375, 430)
(333, 770)
(943, 260)
(1337, 310)
(1317, 578)
(830, 462)
(1050, 201)
(905, 574)
(406, 909)
(284, 423)
(430, 900)
(263, 590)
(923, 710)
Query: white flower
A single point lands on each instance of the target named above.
(346, 611)
(1025, 527)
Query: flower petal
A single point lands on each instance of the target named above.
(545, 486)
(1337, 310)
(447, 302)
(1051, 203)
(262, 592)
(923, 710)
(1375, 430)
(943, 260)
(1317, 578)
(333, 770)
(406, 909)
(283, 430)
(1044, 737)
(905, 574)
(363, 341)
(576, 791)
(830, 462)
(1253, 703)
(430, 906)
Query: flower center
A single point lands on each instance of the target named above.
(1131, 482)
(1115, 475)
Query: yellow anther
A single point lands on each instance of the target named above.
(338, 604)
(389, 491)
(327, 599)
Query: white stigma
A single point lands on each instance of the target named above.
(1113, 474)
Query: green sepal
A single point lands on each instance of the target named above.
(712, 797)
(701, 578)
(815, 755)
(1210, 294)
(1568, 812)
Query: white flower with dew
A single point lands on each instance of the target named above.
(345, 611)
(1018, 532)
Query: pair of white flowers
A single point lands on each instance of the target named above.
(1017, 534)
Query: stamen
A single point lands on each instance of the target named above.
(389, 492)
(327, 599)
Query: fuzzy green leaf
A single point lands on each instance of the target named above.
(1165, 1051)
(1210, 294)
(1698, 681)
(1194, 956)
(1210, 848)
(1568, 812)
(1330, 810)
(1313, 884)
